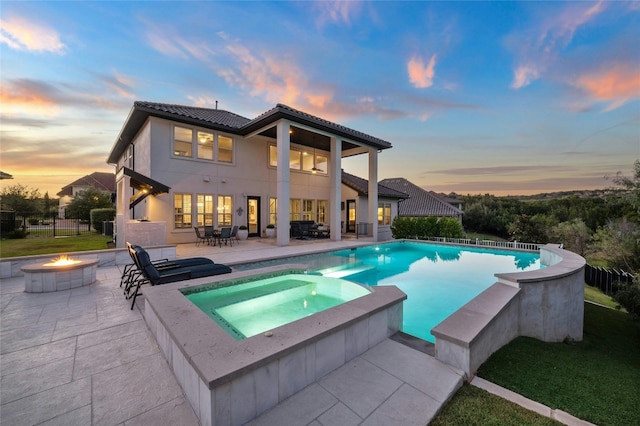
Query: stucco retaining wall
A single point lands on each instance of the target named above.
(546, 304)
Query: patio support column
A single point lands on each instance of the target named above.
(123, 213)
(336, 189)
(373, 192)
(283, 181)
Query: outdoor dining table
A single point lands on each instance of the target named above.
(212, 234)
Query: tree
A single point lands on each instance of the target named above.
(574, 235)
(619, 242)
(632, 186)
(20, 198)
(530, 228)
(80, 207)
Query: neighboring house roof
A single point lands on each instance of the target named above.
(420, 202)
(229, 122)
(99, 180)
(361, 186)
(452, 201)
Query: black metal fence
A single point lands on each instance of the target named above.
(609, 281)
(42, 225)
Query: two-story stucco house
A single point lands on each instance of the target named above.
(180, 166)
(104, 182)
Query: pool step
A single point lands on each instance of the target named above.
(345, 272)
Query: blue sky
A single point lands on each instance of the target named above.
(476, 97)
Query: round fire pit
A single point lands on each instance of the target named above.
(49, 276)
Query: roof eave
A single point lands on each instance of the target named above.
(284, 113)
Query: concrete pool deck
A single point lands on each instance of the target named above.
(81, 356)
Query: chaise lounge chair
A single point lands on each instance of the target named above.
(131, 273)
(172, 271)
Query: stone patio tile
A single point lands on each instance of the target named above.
(25, 359)
(22, 317)
(175, 412)
(360, 385)
(25, 337)
(10, 286)
(34, 380)
(78, 417)
(111, 333)
(299, 409)
(113, 353)
(24, 300)
(48, 404)
(341, 415)
(406, 407)
(129, 390)
(418, 369)
(65, 330)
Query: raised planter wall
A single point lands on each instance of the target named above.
(10, 267)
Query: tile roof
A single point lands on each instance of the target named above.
(362, 187)
(420, 202)
(208, 115)
(226, 121)
(99, 180)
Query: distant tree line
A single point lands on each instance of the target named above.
(603, 227)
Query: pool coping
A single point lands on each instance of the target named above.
(219, 358)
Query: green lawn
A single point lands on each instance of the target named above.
(597, 380)
(592, 294)
(474, 406)
(33, 246)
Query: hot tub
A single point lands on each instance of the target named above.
(248, 309)
(230, 380)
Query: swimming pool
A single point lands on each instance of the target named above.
(251, 308)
(438, 279)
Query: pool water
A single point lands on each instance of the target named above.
(437, 279)
(251, 308)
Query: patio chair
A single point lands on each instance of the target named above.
(225, 235)
(201, 236)
(135, 273)
(130, 271)
(171, 271)
(234, 233)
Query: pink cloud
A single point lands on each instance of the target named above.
(420, 75)
(616, 84)
(21, 34)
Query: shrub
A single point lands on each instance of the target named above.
(425, 227)
(403, 227)
(16, 234)
(101, 215)
(449, 227)
(629, 298)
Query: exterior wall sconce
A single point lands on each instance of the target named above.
(239, 210)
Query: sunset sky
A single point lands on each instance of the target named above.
(476, 97)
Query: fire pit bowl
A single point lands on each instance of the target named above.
(59, 274)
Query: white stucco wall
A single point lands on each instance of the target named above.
(248, 175)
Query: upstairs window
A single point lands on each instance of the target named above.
(208, 146)
(205, 145)
(182, 142)
(301, 159)
(225, 149)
